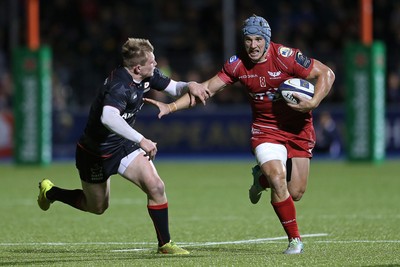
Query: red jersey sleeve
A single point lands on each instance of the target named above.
(303, 64)
(228, 73)
(298, 64)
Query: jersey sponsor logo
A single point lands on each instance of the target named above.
(233, 59)
(285, 51)
(274, 74)
(126, 116)
(258, 96)
(271, 95)
(248, 76)
(303, 60)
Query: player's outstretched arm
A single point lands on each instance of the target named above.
(213, 85)
(198, 91)
(182, 103)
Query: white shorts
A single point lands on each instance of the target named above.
(269, 151)
(127, 160)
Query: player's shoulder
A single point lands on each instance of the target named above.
(158, 74)
(233, 66)
(233, 60)
(282, 51)
(118, 76)
(159, 81)
(289, 55)
(117, 81)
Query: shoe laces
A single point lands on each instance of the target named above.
(294, 241)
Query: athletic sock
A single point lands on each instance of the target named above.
(70, 197)
(159, 215)
(286, 212)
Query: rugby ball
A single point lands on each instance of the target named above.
(295, 85)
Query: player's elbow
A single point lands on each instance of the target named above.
(330, 76)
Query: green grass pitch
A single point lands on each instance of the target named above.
(349, 216)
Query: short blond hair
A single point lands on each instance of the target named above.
(135, 52)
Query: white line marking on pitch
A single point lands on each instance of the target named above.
(151, 243)
(199, 244)
(259, 240)
(191, 244)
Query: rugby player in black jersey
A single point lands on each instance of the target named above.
(110, 144)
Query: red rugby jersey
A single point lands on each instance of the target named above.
(261, 81)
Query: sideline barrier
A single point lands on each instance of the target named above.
(213, 131)
(203, 132)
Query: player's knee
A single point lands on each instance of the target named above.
(296, 197)
(276, 174)
(156, 188)
(277, 181)
(99, 209)
(297, 194)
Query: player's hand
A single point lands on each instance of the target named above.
(198, 91)
(164, 109)
(149, 147)
(304, 105)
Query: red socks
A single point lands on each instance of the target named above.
(286, 212)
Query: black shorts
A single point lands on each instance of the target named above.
(97, 169)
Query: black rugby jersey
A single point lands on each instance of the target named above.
(120, 91)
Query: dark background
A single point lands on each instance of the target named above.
(86, 37)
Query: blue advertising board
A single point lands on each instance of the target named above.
(217, 131)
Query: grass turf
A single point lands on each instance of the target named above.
(349, 216)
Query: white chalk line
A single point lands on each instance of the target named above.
(191, 244)
(260, 240)
(205, 244)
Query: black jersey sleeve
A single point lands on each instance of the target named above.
(116, 96)
(159, 81)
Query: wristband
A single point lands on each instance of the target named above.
(174, 107)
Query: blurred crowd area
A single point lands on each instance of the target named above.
(86, 37)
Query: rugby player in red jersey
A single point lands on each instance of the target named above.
(283, 135)
(110, 145)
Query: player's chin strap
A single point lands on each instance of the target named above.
(265, 50)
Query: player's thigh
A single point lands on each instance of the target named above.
(97, 195)
(299, 177)
(141, 171)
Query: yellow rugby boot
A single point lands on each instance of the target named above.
(44, 186)
(172, 248)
